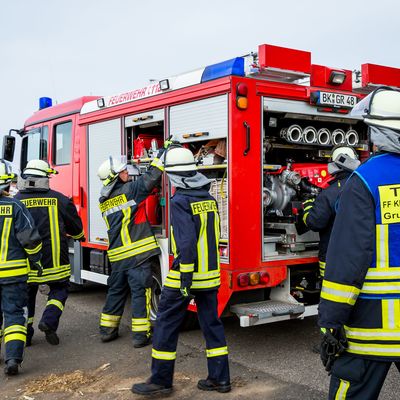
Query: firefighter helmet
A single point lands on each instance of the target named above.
(345, 157)
(5, 175)
(380, 108)
(39, 168)
(179, 159)
(109, 170)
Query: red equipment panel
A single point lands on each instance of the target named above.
(284, 58)
(380, 75)
(320, 77)
(316, 173)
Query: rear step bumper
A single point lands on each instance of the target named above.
(265, 312)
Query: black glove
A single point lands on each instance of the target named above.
(37, 265)
(333, 344)
(82, 239)
(186, 283)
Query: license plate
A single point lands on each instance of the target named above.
(335, 99)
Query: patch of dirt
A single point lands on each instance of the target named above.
(53, 383)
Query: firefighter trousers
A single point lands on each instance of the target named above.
(355, 378)
(56, 300)
(14, 299)
(138, 282)
(171, 312)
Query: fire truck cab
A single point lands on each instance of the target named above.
(260, 126)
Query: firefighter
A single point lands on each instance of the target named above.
(56, 217)
(132, 247)
(195, 274)
(319, 213)
(359, 310)
(19, 240)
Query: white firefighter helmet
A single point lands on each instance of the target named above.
(39, 168)
(179, 159)
(346, 150)
(109, 170)
(380, 108)
(5, 174)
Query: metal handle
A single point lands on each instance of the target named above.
(81, 195)
(247, 149)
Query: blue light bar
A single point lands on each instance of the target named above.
(45, 102)
(225, 68)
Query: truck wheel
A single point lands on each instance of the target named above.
(191, 322)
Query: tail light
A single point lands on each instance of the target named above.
(243, 280)
(264, 278)
(241, 96)
(254, 278)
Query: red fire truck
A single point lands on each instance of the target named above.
(258, 125)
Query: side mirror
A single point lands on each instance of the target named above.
(8, 148)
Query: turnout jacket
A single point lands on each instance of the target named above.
(361, 288)
(319, 213)
(56, 217)
(19, 240)
(195, 233)
(131, 239)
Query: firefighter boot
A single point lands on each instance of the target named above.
(108, 334)
(141, 340)
(51, 336)
(150, 389)
(209, 385)
(12, 367)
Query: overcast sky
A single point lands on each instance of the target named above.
(66, 49)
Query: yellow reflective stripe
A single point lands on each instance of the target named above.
(15, 329)
(305, 218)
(217, 235)
(55, 235)
(172, 283)
(56, 303)
(202, 248)
(125, 238)
(186, 267)
(148, 302)
(368, 334)
(308, 207)
(134, 252)
(382, 246)
(322, 266)
(108, 317)
(342, 390)
(4, 239)
(134, 245)
(110, 321)
(15, 336)
(30, 320)
(109, 324)
(140, 325)
(13, 263)
(50, 274)
(158, 163)
(308, 201)
(383, 273)
(206, 284)
(78, 236)
(218, 351)
(163, 355)
(390, 313)
(383, 350)
(380, 287)
(196, 275)
(35, 250)
(339, 293)
(107, 223)
(173, 243)
(15, 271)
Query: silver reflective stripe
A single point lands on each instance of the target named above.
(115, 209)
